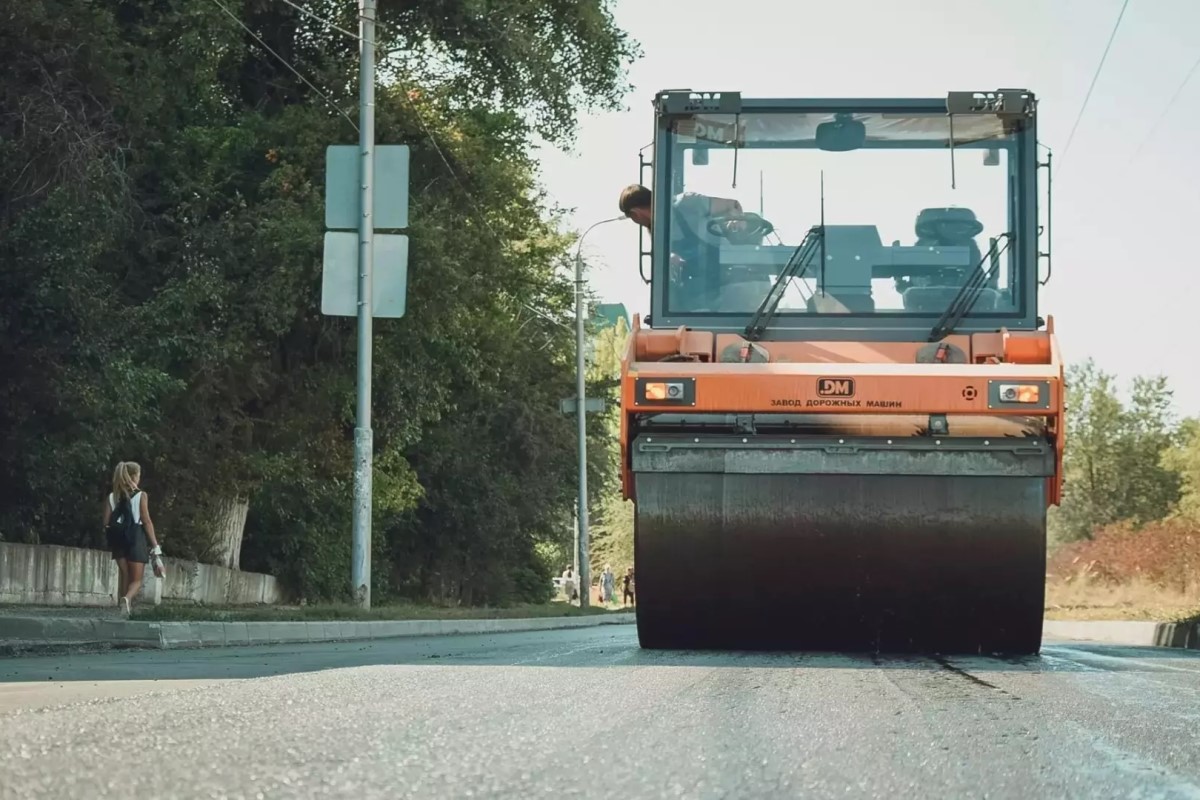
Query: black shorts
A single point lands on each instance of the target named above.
(138, 550)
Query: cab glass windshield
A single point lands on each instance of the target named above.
(907, 219)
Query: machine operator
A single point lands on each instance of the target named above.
(694, 251)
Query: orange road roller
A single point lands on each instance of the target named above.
(842, 419)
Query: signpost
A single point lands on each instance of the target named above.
(366, 189)
(591, 405)
(339, 279)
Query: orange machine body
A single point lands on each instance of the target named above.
(871, 388)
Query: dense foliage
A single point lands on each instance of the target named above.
(161, 223)
(612, 514)
(1131, 506)
(1126, 461)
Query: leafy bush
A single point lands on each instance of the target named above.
(1165, 553)
(161, 245)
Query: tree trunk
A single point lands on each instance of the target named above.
(230, 519)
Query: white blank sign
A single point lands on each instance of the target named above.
(339, 276)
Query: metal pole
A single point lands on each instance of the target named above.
(581, 542)
(360, 564)
(584, 573)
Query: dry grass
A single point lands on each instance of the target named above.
(1166, 553)
(1085, 597)
(1150, 572)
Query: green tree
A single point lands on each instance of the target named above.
(1113, 460)
(1148, 490)
(1184, 461)
(553, 59)
(75, 387)
(612, 530)
(161, 242)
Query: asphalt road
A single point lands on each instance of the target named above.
(585, 713)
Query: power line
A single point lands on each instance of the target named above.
(378, 24)
(1183, 84)
(467, 193)
(1095, 76)
(284, 61)
(326, 22)
(416, 111)
(420, 120)
(454, 176)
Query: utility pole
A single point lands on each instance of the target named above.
(360, 565)
(575, 535)
(581, 536)
(581, 540)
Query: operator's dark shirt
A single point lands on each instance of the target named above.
(690, 241)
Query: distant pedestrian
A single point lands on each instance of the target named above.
(570, 586)
(608, 584)
(129, 532)
(627, 585)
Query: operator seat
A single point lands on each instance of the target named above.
(933, 290)
(949, 227)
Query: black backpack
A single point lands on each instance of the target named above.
(121, 527)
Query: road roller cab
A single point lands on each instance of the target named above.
(842, 423)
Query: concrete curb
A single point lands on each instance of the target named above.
(1183, 635)
(20, 634)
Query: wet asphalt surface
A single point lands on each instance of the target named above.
(586, 713)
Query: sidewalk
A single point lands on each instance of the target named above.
(25, 630)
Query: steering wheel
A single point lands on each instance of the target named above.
(755, 227)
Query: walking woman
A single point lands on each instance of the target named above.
(130, 532)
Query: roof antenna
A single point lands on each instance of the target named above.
(737, 122)
(822, 286)
(953, 175)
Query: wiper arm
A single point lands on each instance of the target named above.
(800, 261)
(969, 292)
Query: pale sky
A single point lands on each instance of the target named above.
(1125, 281)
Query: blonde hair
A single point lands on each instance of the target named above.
(125, 478)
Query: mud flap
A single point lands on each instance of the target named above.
(876, 545)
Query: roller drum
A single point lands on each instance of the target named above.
(911, 545)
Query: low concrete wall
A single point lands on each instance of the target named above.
(206, 583)
(1184, 635)
(49, 575)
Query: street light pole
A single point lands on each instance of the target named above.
(360, 559)
(581, 541)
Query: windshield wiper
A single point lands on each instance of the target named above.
(797, 264)
(969, 292)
